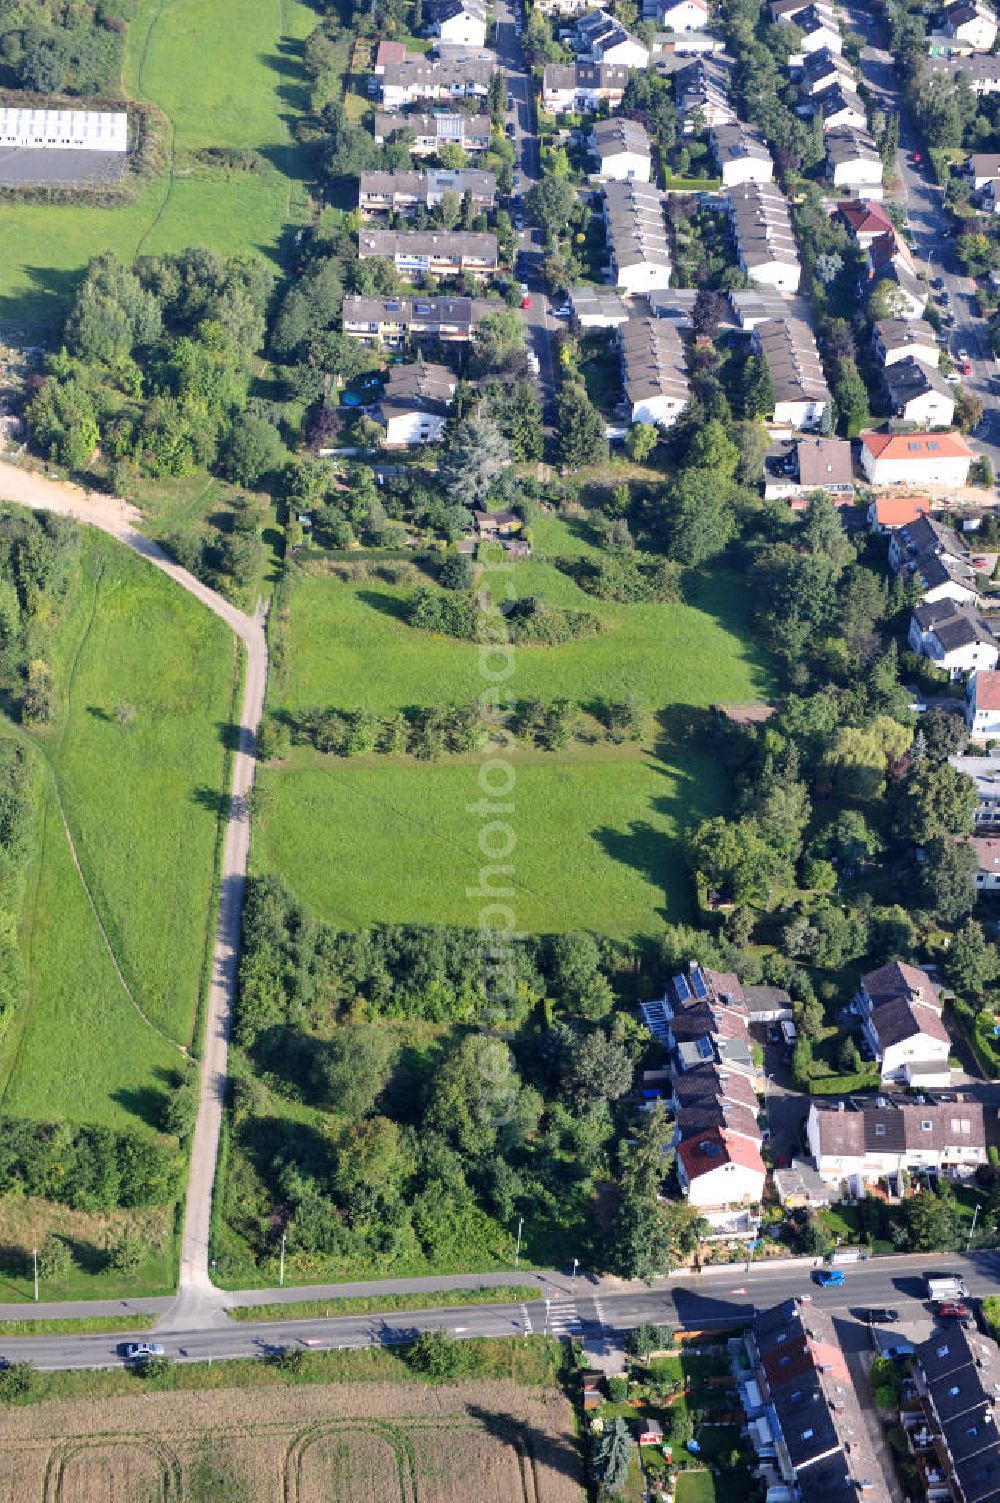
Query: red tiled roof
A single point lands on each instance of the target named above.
(917, 446)
(899, 511)
(865, 217)
(389, 52)
(987, 853)
(987, 683)
(712, 1149)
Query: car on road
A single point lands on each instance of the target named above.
(565, 311)
(519, 222)
(510, 129)
(937, 282)
(951, 1311)
(945, 297)
(965, 366)
(953, 378)
(141, 1351)
(829, 1278)
(916, 158)
(878, 1315)
(510, 100)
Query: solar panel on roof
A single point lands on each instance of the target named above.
(698, 983)
(682, 989)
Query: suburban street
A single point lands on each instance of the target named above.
(538, 318)
(599, 1309)
(927, 222)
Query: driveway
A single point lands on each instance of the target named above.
(786, 1107)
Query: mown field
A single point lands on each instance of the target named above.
(135, 762)
(392, 839)
(367, 1443)
(226, 75)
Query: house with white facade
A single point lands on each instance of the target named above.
(821, 70)
(598, 307)
(896, 339)
(840, 107)
(853, 161)
(972, 23)
(982, 705)
(931, 553)
(638, 246)
(622, 150)
(900, 1009)
(915, 458)
(983, 168)
(794, 469)
(414, 404)
(801, 395)
(682, 15)
(865, 219)
(981, 71)
(919, 393)
(987, 852)
(460, 22)
(766, 248)
(654, 371)
(720, 1168)
(435, 253)
(607, 41)
(582, 87)
(857, 1142)
(819, 29)
(405, 192)
(392, 321)
(741, 154)
(953, 636)
(702, 90)
(418, 77)
(428, 133)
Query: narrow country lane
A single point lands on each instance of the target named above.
(197, 1298)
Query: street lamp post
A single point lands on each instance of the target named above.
(281, 1264)
(576, 1264)
(34, 1260)
(520, 1228)
(972, 1229)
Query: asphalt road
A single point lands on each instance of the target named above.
(538, 318)
(928, 220)
(596, 1309)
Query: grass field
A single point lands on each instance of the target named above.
(596, 825)
(141, 801)
(375, 1304)
(227, 75)
(373, 1443)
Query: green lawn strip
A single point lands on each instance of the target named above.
(375, 1304)
(89, 1325)
(695, 1487)
(536, 1362)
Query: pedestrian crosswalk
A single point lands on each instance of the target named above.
(563, 1318)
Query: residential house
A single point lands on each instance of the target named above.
(900, 1009)
(582, 87)
(982, 705)
(801, 395)
(841, 108)
(987, 852)
(981, 71)
(462, 22)
(765, 241)
(654, 371)
(435, 253)
(853, 161)
(392, 321)
(414, 404)
(720, 1168)
(419, 77)
(405, 192)
(955, 1435)
(972, 23)
(804, 1416)
(598, 307)
(741, 154)
(890, 261)
(702, 91)
(561, 8)
(919, 393)
(857, 1142)
(819, 30)
(795, 469)
(865, 219)
(954, 636)
(497, 524)
(703, 1017)
(607, 41)
(388, 52)
(822, 69)
(638, 247)
(930, 553)
(682, 15)
(754, 305)
(983, 167)
(674, 303)
(897, 339)
(887, 513)
(768, 1004)
(622, 150)
(985, 773)
(915, 459)
(428, 133)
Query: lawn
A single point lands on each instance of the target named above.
(228, 75)
(695, 1487)
(142, 802)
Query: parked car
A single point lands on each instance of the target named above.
(953, 1312)
(880, 1316)
(829, 1278)
(953, 378)
(141, 1351)
(510, 100)
(937, 282)
(519, 222)
(510, 129)
(916, 158)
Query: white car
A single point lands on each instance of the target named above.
(141, 1351)
(953, 378)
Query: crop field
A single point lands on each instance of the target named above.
(133, 769)
(596, 825)
(322, 1444)
(226, 75)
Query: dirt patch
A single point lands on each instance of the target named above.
(325, 1443)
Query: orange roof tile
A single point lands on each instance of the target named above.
(917, 446)
(988, 689)
(899, 511)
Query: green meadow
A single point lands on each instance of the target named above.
(137, 758)
(225, 75)
(392, 839)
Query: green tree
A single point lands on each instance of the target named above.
(757, 388)
(54, 1260)
(251, 449)
(937, 800)
(595, 1070)
(550, 202)
(931, 1222)
(581, 435)
(128, 1254)
(851, 394)
(476, 459)
(351, 1069)
(437, 1356)
(970, 962)
(640, 441)
(948, 879)
(700, 520)
(498, 337)
(457, 572)
(859, 757)
(16, 1381)
(612, 1458)
(711, 448)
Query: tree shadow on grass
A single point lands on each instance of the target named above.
(386, 605)
(555, 1452)
(214, 800)
(145, 1102)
